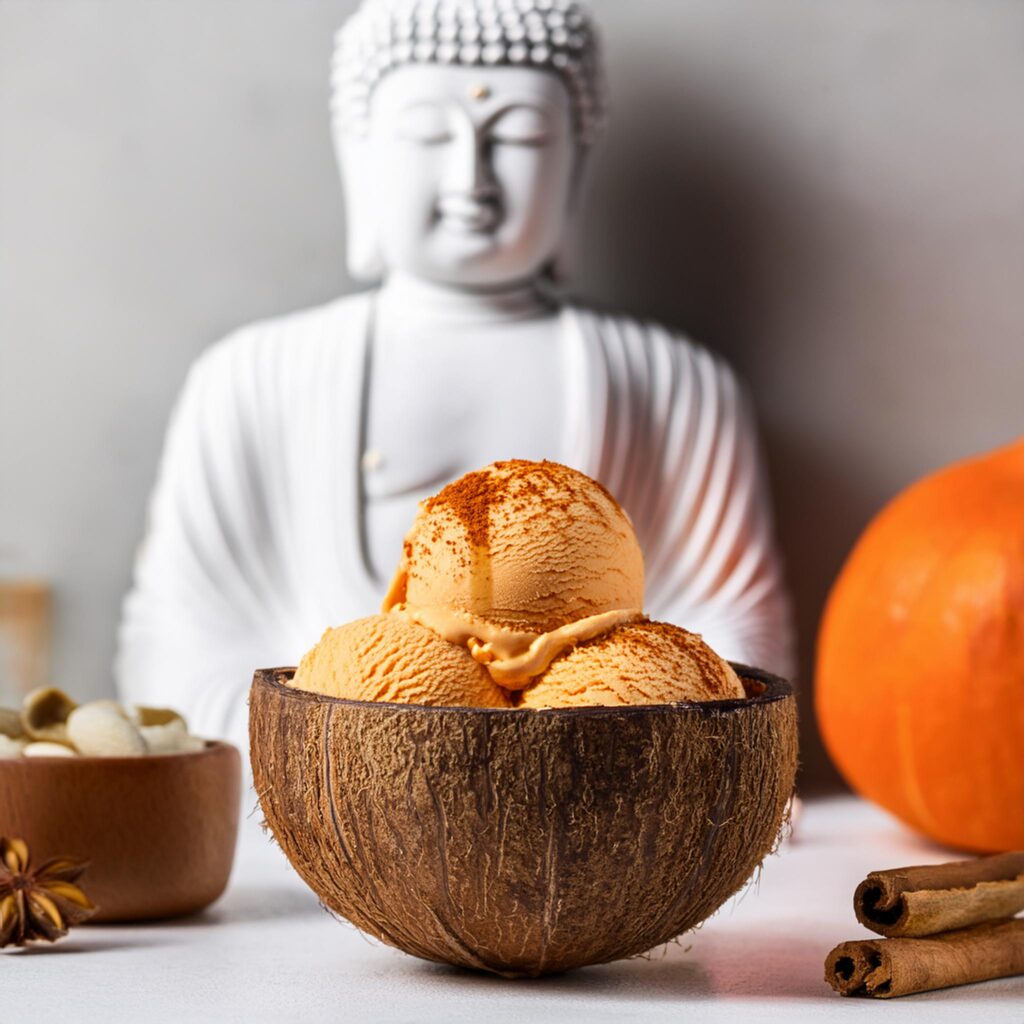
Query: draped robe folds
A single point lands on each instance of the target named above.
(255, 543)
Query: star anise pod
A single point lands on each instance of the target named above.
(38, 904)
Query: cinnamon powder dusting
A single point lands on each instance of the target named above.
(519, 486)
(470, 499)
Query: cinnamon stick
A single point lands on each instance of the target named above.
(885, 968)
(941, 897)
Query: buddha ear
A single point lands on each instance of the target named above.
(563, 260)
(363, 255)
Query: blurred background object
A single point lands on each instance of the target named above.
(920, 667)
(830, 193)
(24, 638)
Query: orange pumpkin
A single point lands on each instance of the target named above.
(919, 686)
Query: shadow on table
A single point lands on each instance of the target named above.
(753, 963)
(83, 942)
(245, 904)
(242, 904)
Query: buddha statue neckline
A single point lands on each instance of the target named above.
(461, 307)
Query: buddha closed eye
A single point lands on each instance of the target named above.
(425, 123)
(520, 125)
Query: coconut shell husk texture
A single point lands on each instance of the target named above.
(523, 842)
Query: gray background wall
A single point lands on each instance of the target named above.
(829, 192)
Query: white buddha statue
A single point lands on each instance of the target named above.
(301, 446)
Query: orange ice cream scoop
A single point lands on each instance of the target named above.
(519, 561)
(385, 658)
(642, 663)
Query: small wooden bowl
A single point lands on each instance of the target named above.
(523, 842)
(158, 832)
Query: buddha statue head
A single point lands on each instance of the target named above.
(461, 128)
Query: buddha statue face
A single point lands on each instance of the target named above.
(471, 172)
(461, 128)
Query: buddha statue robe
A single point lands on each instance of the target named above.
(258, 526)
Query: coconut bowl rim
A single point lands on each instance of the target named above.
(82, 760)
(774, 689)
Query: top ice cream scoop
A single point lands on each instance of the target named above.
(520, 561)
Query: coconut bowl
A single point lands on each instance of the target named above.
(523, 842)
(158, 831)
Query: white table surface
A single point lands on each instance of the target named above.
(267, 952)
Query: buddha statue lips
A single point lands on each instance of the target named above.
(468, 214)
